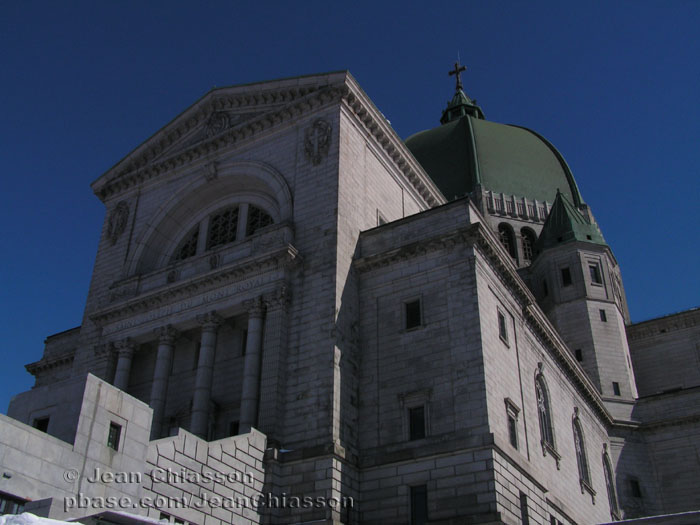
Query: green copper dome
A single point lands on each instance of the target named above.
(467, 151)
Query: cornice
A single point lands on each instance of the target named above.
(411, 250)
(663, 325)
(377, 126)
(47, 364)
(478, 235)
(245, 268)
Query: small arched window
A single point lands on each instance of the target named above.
(610, 485)
(528, 244)
(581, 458)
(507, 238)
(544, 413)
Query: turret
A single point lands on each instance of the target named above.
(577, 282)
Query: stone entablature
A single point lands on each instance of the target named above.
(45, 364)
(198, 293)
(251, 250)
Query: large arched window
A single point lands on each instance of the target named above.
(544, 413)
(610, 485)
(581, 459)
(507, 238)
(529, 239)
(221, 228)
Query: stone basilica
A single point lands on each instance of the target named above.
(297, 317)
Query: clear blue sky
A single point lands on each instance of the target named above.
(614, 85)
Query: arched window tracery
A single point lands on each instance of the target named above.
(529, 239)
(222, 227)
(257, 219)
(507, 238)
(188, 246)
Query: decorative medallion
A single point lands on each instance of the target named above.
(172, 276)
(317, 139)
(117, 222)
(218, 122)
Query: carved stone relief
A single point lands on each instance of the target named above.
(317, 140)
(117, 221)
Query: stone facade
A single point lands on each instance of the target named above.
(285, 308)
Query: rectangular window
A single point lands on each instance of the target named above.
(635, 489)
(565, 277)
(115, 432)
(579, 354)
(524, 513)
(502, 327)
(419, 505)
(603, 316)
(416, 422)
(42, 423)
(595, 274)
(413, 314)
(616, 388)
(545, 288)
(233, 428)
(10, 505)
(513, 430)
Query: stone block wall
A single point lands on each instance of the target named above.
(204, 482)
(511, 364)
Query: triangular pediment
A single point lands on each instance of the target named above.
(216, 118)
(229, 115)
(217, 123)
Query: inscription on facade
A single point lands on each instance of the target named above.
(192, 302)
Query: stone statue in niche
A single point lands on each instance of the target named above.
(117, 222)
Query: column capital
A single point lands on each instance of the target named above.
(166, 334)
(279, 298)
(210, 320)
(125, 347)
(255, 307)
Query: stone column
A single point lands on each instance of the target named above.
(251, 367)
(159, 389)
(274, 365)
(125, 352)
(205, 369)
